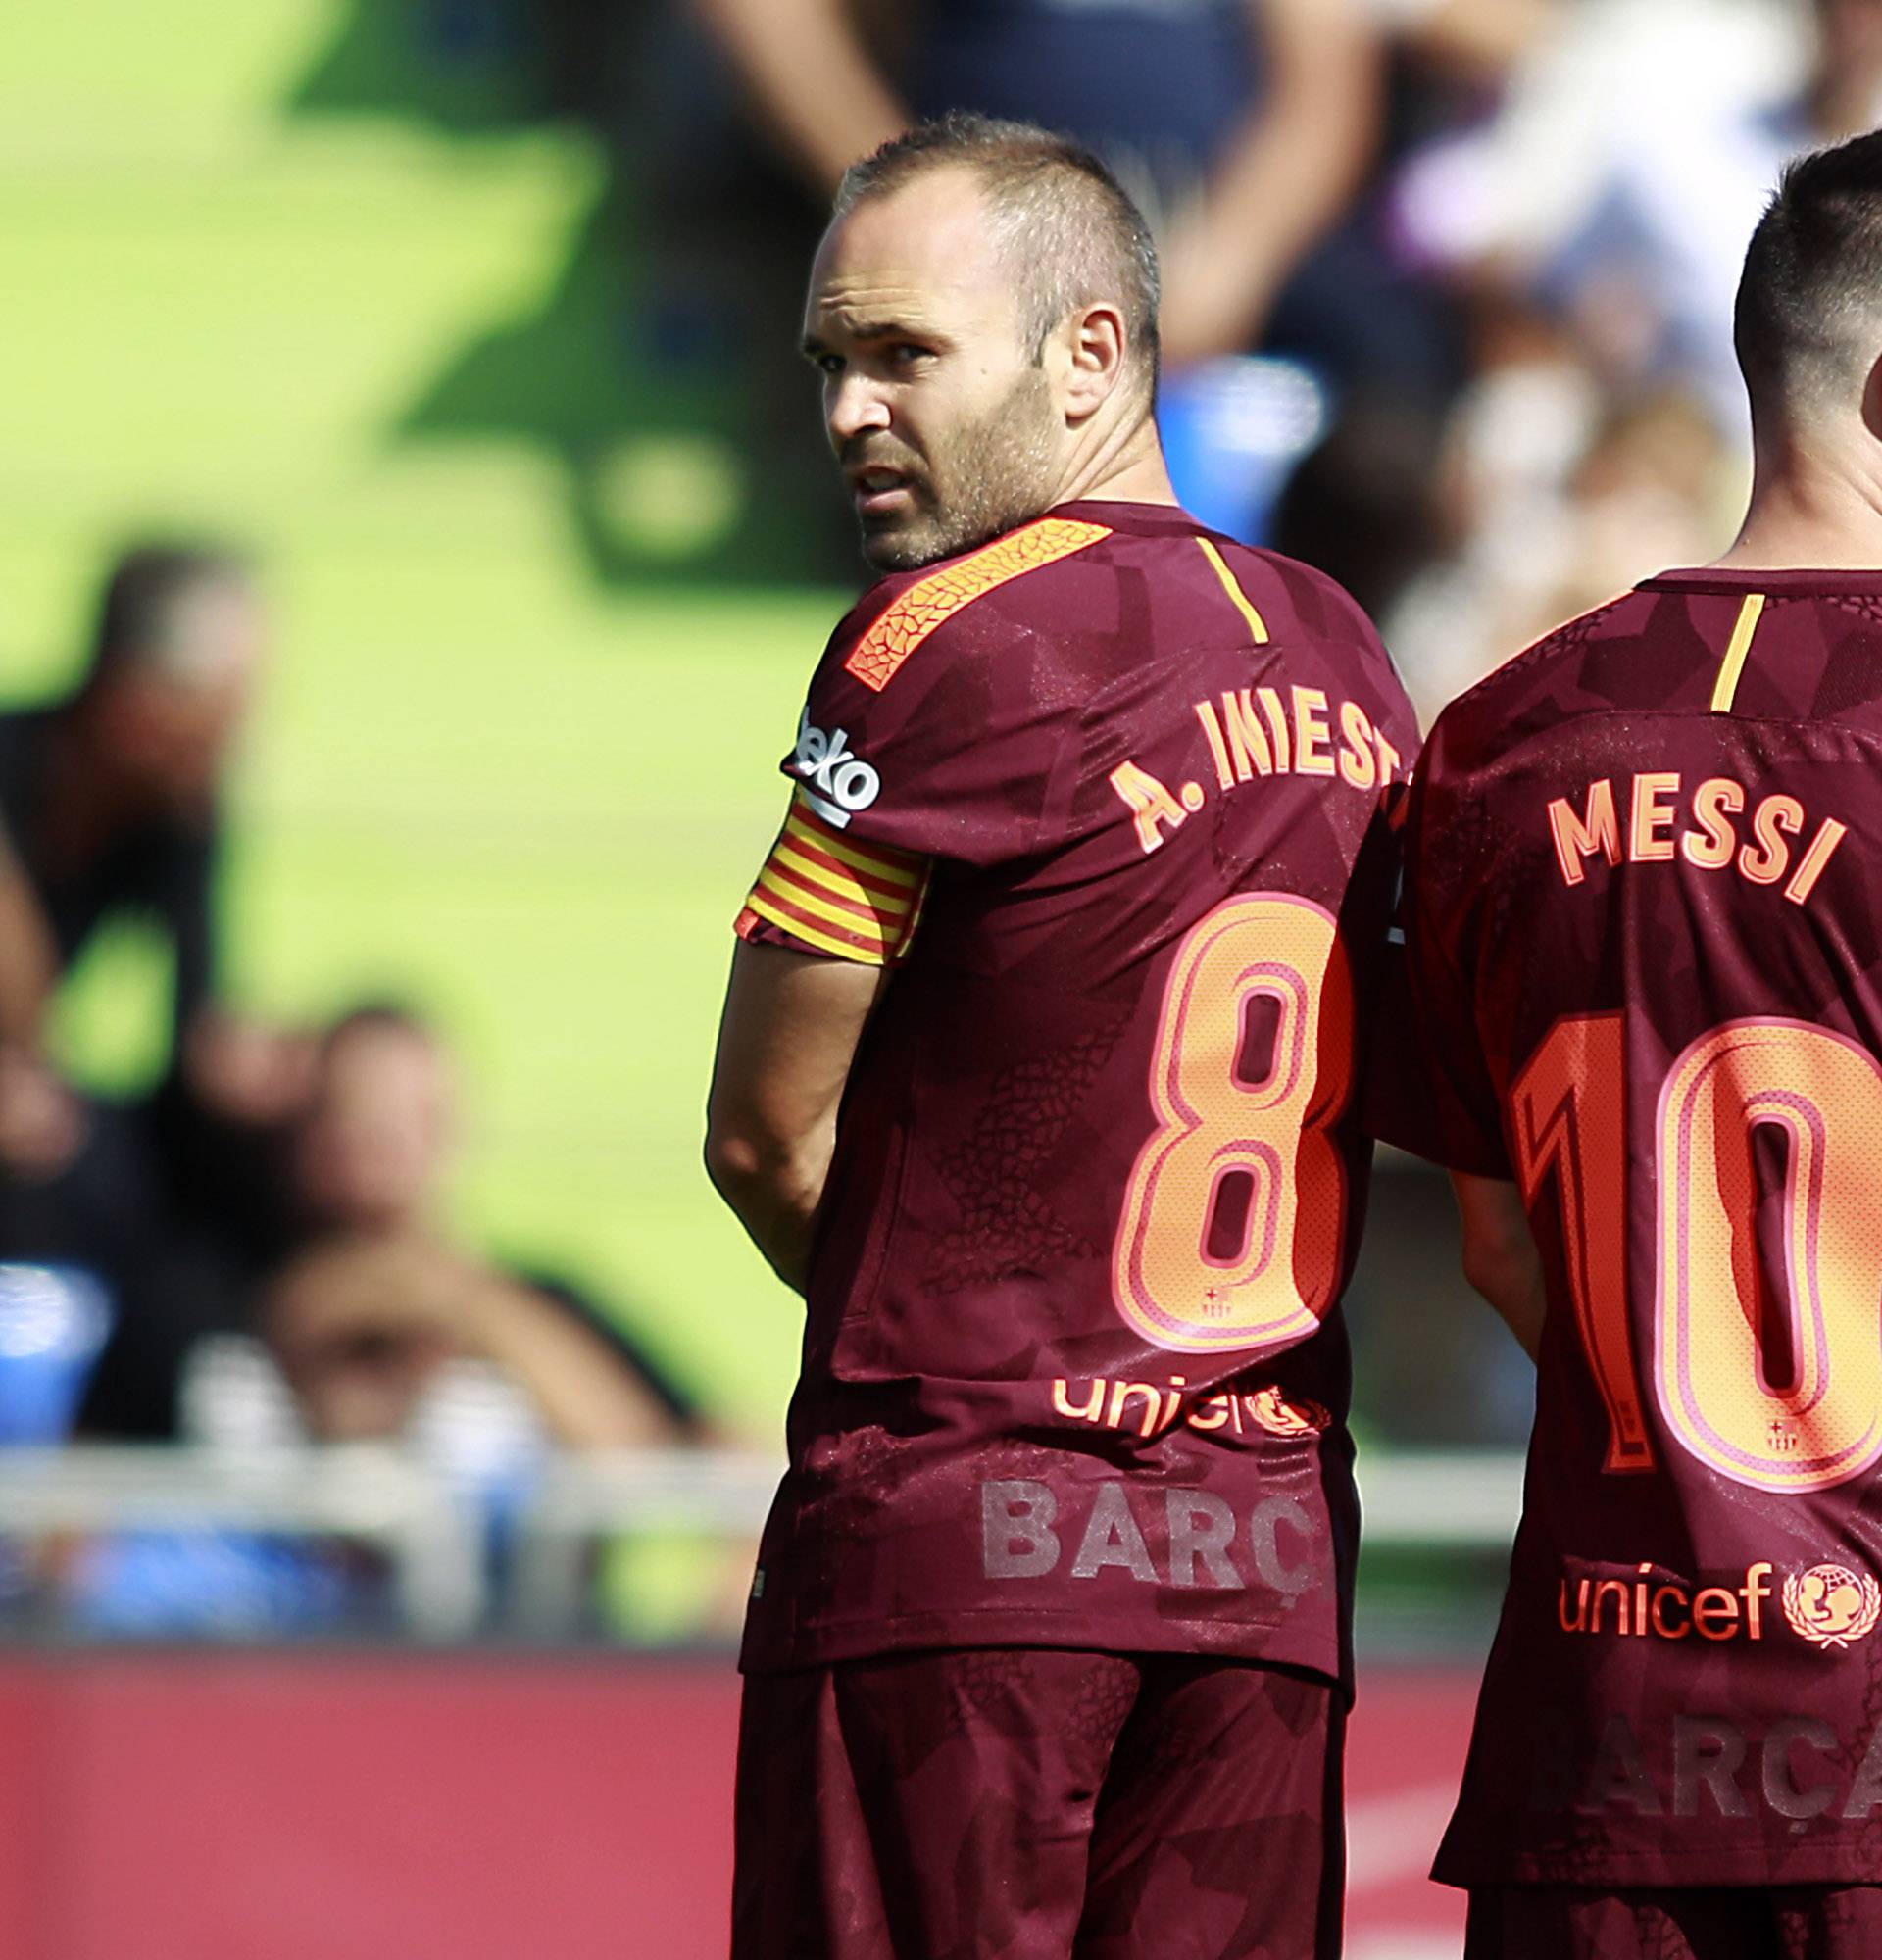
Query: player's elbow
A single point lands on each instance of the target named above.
(735, 1159)
(1489, 1261)
(753, 1165)
(1492, 1266)
(1498, 1252)
(1507, 1272)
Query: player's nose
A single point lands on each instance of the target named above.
(854, 407)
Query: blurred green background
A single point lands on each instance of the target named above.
(265, 281)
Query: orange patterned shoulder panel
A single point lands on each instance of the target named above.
(931, 601)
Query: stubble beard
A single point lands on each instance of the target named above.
(987, 478)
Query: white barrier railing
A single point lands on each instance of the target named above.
(431, 1532)
(372, 1495)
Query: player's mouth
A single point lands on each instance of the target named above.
(881, 493)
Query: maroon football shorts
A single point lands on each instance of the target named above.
(1677, 1923)
(1014, 1803)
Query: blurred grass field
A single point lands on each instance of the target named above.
(478, 778)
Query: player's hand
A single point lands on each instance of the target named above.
(42, 1123)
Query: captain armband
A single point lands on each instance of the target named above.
(835, 894)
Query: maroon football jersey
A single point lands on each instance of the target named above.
(1108, 793)
(1646, 938)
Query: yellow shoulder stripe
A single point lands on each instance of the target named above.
(1726, 688)
(1257, 625)
(878, 657)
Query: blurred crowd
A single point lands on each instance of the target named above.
(260, 1251)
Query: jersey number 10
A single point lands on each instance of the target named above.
(1767, 1343)
(1235, 1217)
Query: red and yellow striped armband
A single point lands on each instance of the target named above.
(835, 894)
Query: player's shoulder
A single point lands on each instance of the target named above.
(1057, 585)
(931, 617)
(1554, 680)
(1301, 598)
(1078, 595)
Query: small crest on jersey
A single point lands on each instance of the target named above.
(1830, 1606)
(1281, 1417)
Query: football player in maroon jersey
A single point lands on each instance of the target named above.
(1034, 1079)
(1645, 929)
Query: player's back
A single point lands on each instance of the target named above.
(1648, 927)
(1070, 1377)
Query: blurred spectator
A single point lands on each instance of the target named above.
(362, 1318)
(363, 1326)
(374, 1298)
(1619, 183)
(1477, 39)
(1597, 221)
(1558, 498)
(111, 807)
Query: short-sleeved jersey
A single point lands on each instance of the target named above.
(1107, 795)
(1644, 922)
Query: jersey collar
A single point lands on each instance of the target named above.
(1742, 579)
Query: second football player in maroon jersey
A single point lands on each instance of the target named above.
(1036, 1078)
(1646, 938)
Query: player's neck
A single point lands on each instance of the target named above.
(1811, 512)
(1126, 466)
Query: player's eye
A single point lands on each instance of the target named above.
(905, 353)
(828, 364)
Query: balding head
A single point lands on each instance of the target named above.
(1063, 227)
(983, 311)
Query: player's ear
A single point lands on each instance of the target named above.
(1872, 399)
(1098, 345)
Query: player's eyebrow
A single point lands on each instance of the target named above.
(866, 330)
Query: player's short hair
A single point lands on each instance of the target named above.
(1062, 221)
(143, 587)
(1809, 302)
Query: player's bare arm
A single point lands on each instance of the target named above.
(1500, 1257)
(786, 1039)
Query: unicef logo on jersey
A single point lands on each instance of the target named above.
(838, 782)
(1830, 1606)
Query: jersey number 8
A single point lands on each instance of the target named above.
(1233, 1220)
